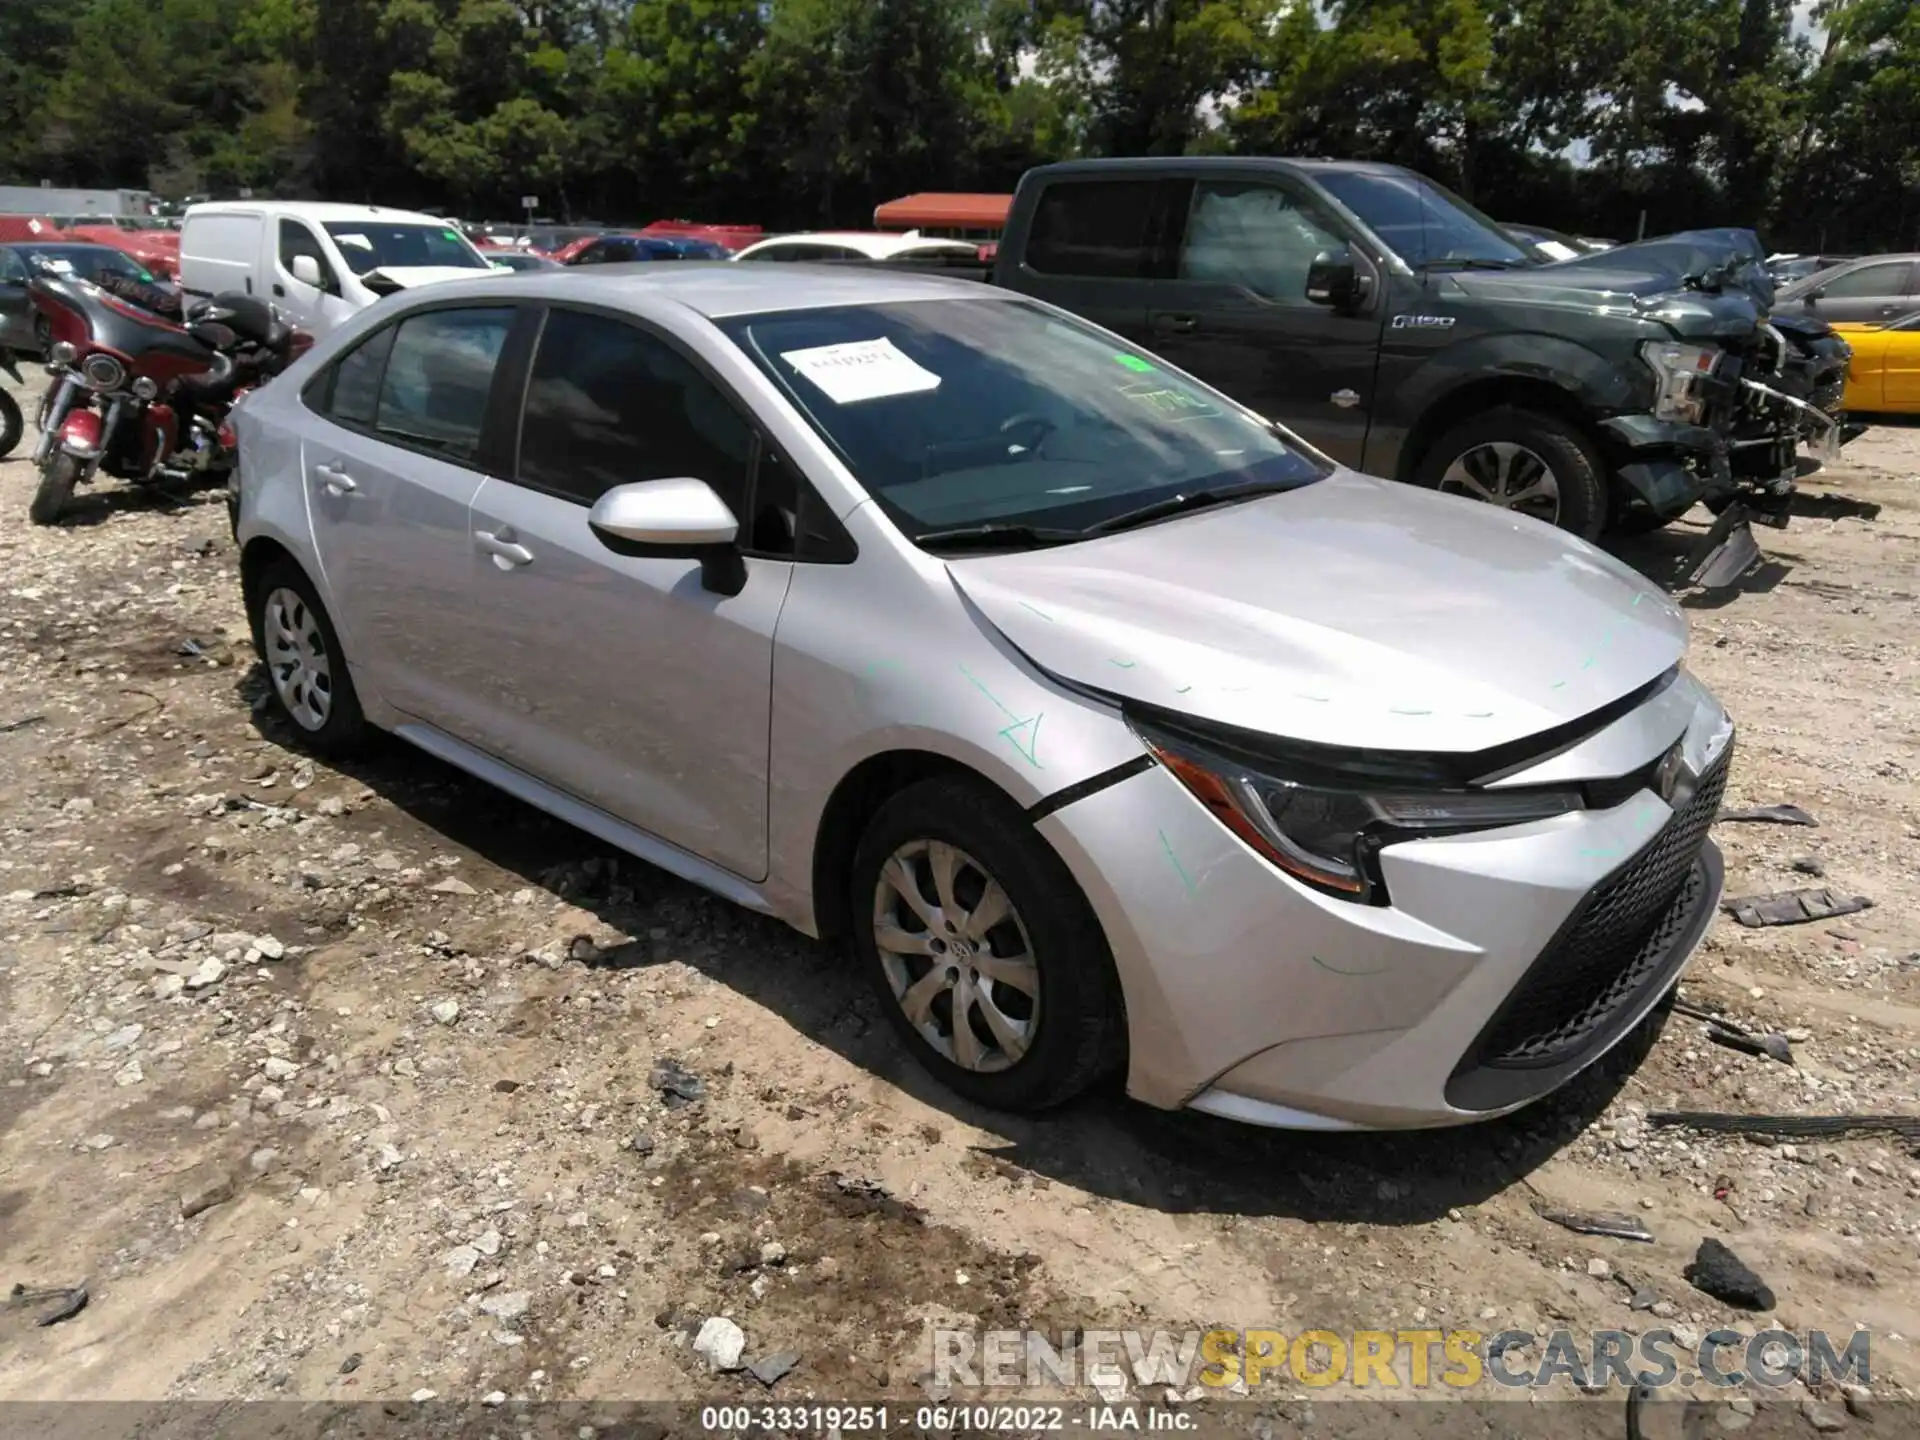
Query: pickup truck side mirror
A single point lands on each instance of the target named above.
(1332, 280)
(682, 518)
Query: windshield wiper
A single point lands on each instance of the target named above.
(1179, 504)
(1474, 264)
(999, 535)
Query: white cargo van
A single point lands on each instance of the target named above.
(319, 263)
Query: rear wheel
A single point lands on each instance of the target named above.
(12, 424)
(1522, 460)
(985, 955)
(305, 666)
(57, 479)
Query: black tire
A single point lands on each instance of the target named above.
(1079, 1034)
(343, 729)
(1577, 469)
(12, 424)
(57, 479)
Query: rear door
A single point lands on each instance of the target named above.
(1870, 294)
(1901, 359)
(618, 678)
(1099, 248)
(1235, 311)
(392, 464)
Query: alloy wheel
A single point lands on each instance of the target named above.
(956, 955)
(1508, 475)
(297, 659)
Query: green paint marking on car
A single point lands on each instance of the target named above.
(1123, 664)
(1134, 363)
(1350, 974)
(991, 696)
(1402, 710)
(1038, 611)
(1028, 751)
(1178, 868)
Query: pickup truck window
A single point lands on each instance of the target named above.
(1094, 228)
(1421, 222)
(1255, 237)
(999, 413)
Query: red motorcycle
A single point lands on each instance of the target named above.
(141, 396)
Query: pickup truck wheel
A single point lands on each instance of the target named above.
(1525, 461)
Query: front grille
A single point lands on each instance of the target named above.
(1617, 939)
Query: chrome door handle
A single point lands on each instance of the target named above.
(337, 481)
(504, 551)
(1178, 324)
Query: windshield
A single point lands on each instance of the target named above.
(956, 413)
(368, 245)
(88, 262)
(1421, 222)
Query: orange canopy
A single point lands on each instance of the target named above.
(959, 212)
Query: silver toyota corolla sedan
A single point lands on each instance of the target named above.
(1108, 725)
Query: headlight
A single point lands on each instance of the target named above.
(103, 372)
(1327, 829)
(145, 387)
(1679, 369)
(62, 353)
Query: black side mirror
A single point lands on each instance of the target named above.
(1331, 279)
(1813, 295)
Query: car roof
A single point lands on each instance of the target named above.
(58, 246)
(317, 210)
(1203, 164)
(717, 289)
(875, 245)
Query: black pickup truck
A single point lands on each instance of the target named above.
(1402, 332)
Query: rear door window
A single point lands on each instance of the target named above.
(1869, 280)
(355, 397)
(1096, 228)
(439, 377)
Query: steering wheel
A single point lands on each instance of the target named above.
(1039, 426)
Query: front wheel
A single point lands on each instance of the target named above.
(57, 479)
(984, 953)
(1522, 460)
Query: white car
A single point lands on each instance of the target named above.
(858, 245)
(320, 264)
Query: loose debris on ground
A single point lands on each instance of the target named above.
(369, 1082)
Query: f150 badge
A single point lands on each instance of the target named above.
(1423, 322)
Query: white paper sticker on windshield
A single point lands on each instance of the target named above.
(862, 370)
(359, 242)
(57, 265)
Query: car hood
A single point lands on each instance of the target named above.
(1699, 283)
(1354, 612)
(409, 276)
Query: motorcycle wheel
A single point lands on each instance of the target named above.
(12, 424)
(57, 479)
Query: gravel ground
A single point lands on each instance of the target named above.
(428, 1143)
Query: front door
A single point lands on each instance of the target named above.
(16, 306)
(1867, 295)
(390, 477)
(314, 308)
(624, 680)
(1236, 313)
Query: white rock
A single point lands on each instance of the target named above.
(269, 948)
(1599, 1269)
(509, 1308)
(446, 1011)
(276, 1068)
(452, 886)
(493, 1399)
(209, 972)
(388, 1157)
(129, 1074)
(773, 1253)
(488, 1242)
(420, 1397)
(461, 1260)
(123, 1037)
(165, 987)
(720, 1343)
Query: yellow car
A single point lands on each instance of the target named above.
(1884, 376)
